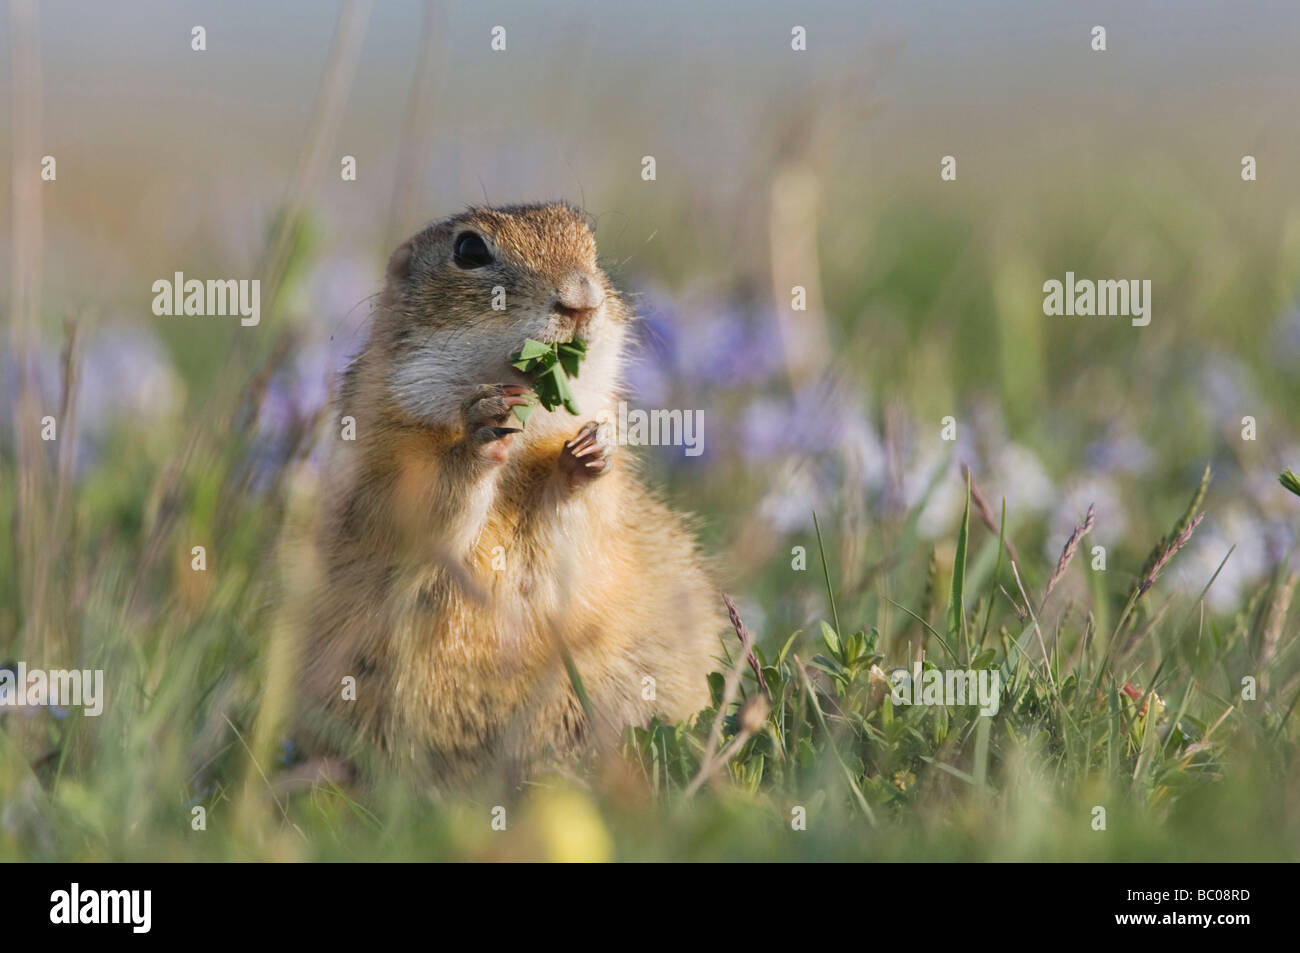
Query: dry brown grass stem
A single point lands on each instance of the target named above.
(986, 513)
(710, 762)
(31, 527)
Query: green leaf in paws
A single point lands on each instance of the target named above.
(523, 412)
(532, 350)
(570, 355)
(551, 366)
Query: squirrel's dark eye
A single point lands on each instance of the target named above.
(471, 251)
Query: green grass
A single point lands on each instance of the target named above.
(1186, 769)
(1115, 693)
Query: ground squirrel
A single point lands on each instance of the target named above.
(457, 552)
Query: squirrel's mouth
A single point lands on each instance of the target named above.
(560, 335)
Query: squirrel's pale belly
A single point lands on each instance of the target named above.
(468, 668)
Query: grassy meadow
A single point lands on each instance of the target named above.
(1156, 677)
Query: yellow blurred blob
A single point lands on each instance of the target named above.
(571, 828)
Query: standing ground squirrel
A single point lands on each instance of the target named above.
(458, 552)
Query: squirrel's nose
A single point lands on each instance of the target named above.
(578, 297)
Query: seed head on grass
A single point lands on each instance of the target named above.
(712, 758)
(1163, 559)
(1071, 546)
(746, 642)
(1176, 540)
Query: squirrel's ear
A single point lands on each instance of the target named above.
(399, 265)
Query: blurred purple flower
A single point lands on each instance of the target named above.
(1258, 543)
(818, 417)
(125, 376)
(1119, 453)
(723, 345)
(942, 509)
(125, 373)
(341, 293)
(649, 369)
(792, 495)
(1019, 477)
(700, 344)
(1226, 381)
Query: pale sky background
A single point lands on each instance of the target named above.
(159, 146)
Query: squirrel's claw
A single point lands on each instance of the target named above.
(485, 410)
(488, 434)
(489, 404)
(587, 455)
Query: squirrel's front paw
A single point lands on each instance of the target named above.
(588, 454)
(485, 411)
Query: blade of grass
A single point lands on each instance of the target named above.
(956, 607)
(830, 743)
(826, 572)
(997, 569)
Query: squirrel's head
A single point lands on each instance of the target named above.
(465, 293)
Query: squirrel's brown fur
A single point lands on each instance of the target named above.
(455, 562)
